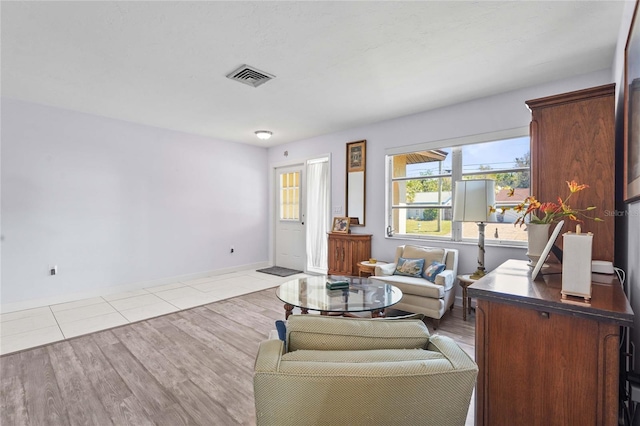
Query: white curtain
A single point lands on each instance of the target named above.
(317, 214)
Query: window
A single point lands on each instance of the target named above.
(290, 196)
(421, 192)
(420, 197)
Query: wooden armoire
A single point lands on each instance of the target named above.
(572, 138)
(345, 251)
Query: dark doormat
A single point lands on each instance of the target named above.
(279, 271)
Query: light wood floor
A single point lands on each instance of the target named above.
(193, 367)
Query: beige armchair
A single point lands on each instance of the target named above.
(420, 295)
(356, 371)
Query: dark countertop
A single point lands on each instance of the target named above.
(511, 283)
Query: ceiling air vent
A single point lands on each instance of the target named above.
(250, 75)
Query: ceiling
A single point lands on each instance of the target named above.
(337, 64)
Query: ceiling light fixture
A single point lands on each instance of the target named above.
(263, 134)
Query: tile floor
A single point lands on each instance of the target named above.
(34, 327)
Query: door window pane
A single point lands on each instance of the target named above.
(290, 196)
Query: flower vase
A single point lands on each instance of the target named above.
(537, 238)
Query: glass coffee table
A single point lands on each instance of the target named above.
(363, 295)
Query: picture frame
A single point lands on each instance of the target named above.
(535, 274)
(356, 156)
(340, 225)
(631, 179)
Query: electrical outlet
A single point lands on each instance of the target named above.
(337, 209)
(53, 270)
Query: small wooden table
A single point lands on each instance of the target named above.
(366, 267)
(465, 282)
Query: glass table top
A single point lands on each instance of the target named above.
(362, 295)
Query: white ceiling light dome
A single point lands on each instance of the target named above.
(263, 134)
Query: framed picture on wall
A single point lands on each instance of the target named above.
(340, 225)
(356, 156)
(632, 110)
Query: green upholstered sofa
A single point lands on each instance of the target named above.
(353, 371)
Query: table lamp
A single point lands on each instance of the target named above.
(471, 204)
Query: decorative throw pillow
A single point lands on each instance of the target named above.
(432, 270)
(409, 267)
(281, 327)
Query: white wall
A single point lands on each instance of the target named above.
(500, 112)
(113, 203)
(628, 220)
(118, 204)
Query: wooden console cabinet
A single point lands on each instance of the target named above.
(573, 137)
(346, 250)
(543, 361)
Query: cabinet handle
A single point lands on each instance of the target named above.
(544, 315)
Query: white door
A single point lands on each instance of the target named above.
(289, 217)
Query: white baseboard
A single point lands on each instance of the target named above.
(103, 291)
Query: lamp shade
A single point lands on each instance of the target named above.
(472, 200)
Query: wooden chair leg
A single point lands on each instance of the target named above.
(436, 324)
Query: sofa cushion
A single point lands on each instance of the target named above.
(429, 254)
(430, 272)
(433, 308)
(416, 286)
(385, 269)
(312, 332)
(370, 363)
(409, 267)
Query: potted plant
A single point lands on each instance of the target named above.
(539, 217)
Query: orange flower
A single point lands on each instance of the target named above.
(533, 211)
(492, 209)
(549, 207)
(574, 187)
(564, 207)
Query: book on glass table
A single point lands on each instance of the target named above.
(337, 284)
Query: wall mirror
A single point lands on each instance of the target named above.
(356, 173)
